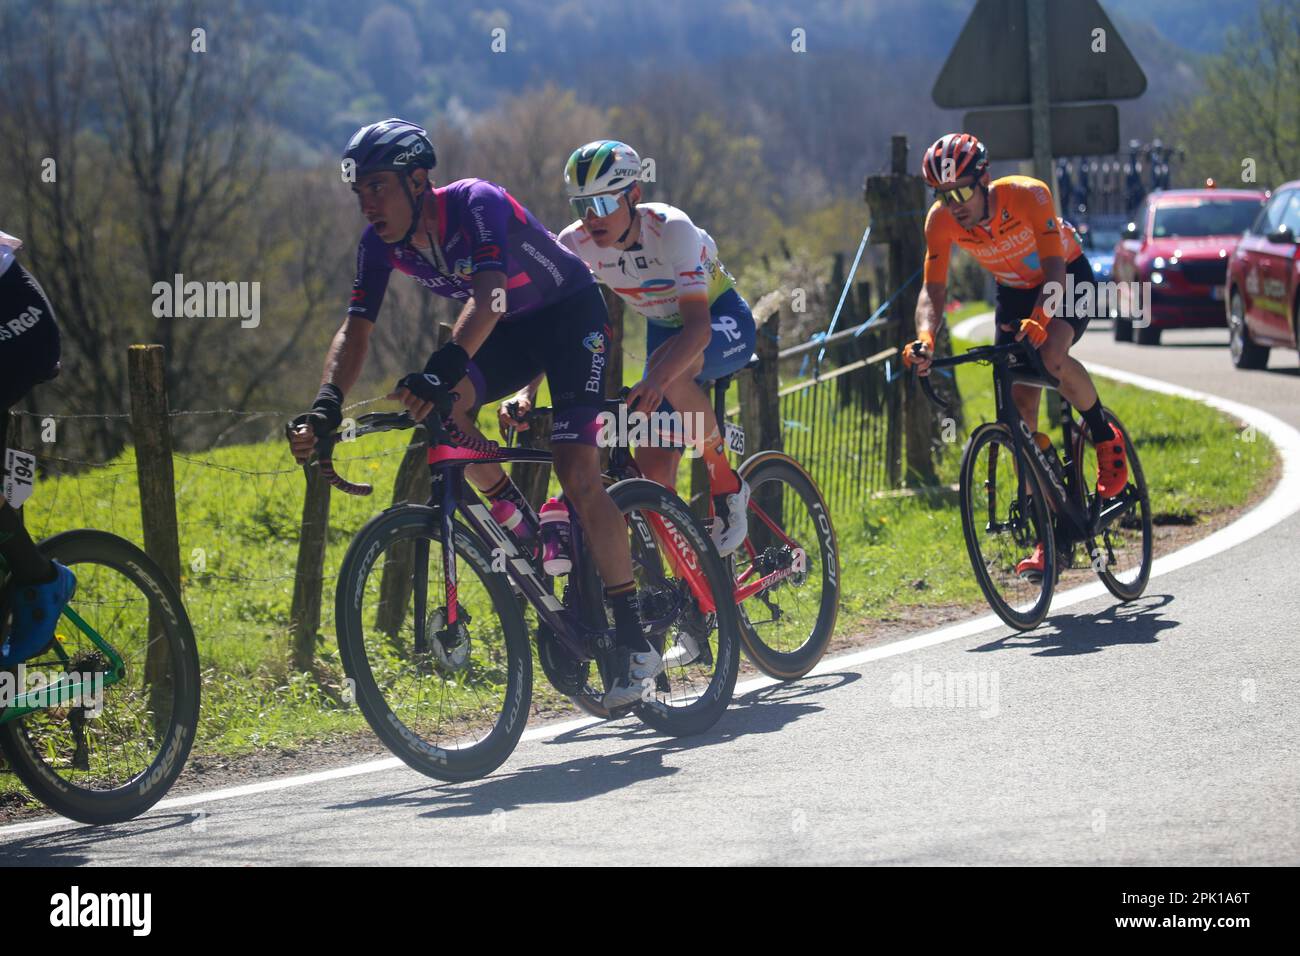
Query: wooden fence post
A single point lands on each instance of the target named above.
(304, 613)
(897, 203)
(760, 404)
(534, 478)
(151, 432)
(411, 484)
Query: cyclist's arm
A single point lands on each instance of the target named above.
(347, 353)
(929, 308)
(676, 356)
(934, 293)
(682, 248)
(1053, 275)
(482, 312)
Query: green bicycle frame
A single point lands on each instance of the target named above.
(66, 691)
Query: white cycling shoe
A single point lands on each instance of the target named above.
(639, 670)
(685, 651)
(731, 521)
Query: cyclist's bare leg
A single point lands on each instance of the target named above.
(463, 414)
(578, 469)
(1027, 398)
(692, 403)
(659, 464)
(1076, 383)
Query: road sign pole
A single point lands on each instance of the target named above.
(1040, 92)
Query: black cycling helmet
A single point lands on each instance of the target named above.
(397, 146)
(393, 144)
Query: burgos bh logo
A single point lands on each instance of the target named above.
(595, 343)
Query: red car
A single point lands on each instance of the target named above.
(1180, 242)
(1263, 288)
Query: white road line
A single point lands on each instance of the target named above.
(1283, 502)
(965, 329)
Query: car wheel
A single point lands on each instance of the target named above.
(1245, 353)
(1123, 329)
(1149, 335)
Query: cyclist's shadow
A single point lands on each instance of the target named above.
(71, 847)
(1061, 635)
(762, 711)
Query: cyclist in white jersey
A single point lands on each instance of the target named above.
(699, 328)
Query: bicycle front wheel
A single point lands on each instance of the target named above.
(450, 698)
(117, 716)
(786, 574)
(1004, 516)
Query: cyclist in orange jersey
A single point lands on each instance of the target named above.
(1011, 229)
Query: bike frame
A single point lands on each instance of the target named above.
(451, 496)
(1018, 363)
(623, 465)
(66, 691)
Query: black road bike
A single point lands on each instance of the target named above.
(431, 626)
(1016, 494)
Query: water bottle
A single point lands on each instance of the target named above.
(508, 515)
(554, 519)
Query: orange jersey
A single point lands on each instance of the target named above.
(1022, 231)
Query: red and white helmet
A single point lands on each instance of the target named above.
(952, 157)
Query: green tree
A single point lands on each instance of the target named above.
(1250, 107)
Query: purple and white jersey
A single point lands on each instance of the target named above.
(481, 228)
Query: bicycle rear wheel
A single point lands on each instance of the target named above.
(690, 696)
(1002, 519)
(1123, 557)
(786, 625)
(450, 699)
(122, 705)
(670, 549)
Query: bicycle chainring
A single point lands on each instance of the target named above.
(566, 673)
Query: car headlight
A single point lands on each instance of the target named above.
(1158, 263)
(1157, 277)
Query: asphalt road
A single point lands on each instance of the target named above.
(1162, 732)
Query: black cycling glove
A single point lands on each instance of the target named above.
(444, 369)
(326, 412)
(448, 365)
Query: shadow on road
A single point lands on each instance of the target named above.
(64, 847)
(764, 711)
(1064, 635)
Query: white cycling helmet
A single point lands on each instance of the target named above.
(598, 173)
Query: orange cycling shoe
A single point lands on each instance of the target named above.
(1032, 567)
(1112, 468)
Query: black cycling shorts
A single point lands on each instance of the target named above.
(1014, 305)
(29, 337)
(569, 340)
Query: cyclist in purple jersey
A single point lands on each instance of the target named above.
(530, 307)
(481, 227)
